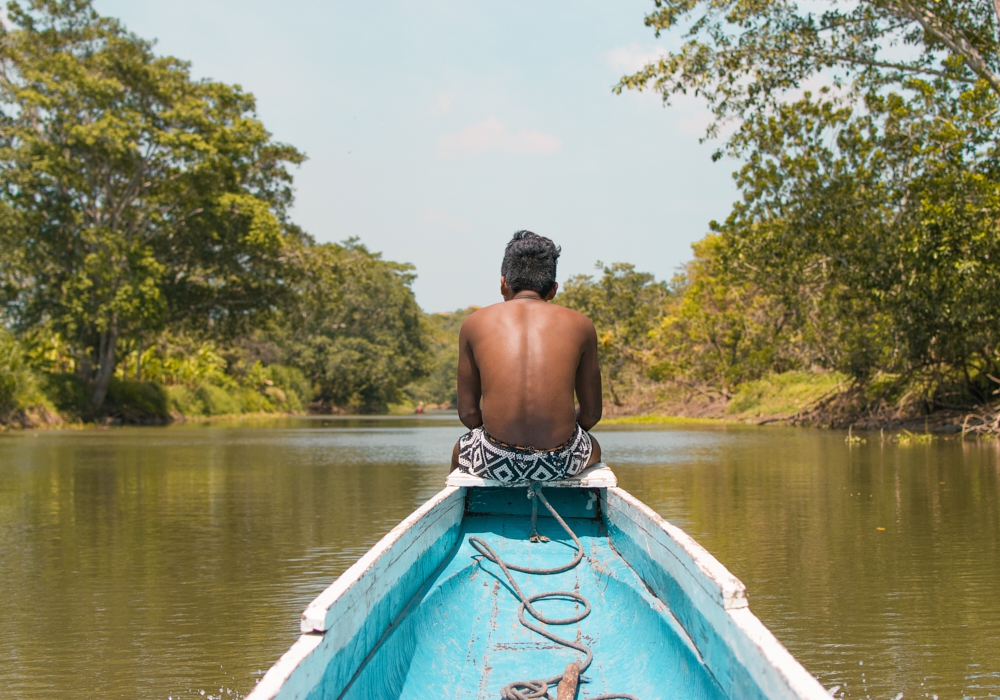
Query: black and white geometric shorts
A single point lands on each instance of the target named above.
(480, 454)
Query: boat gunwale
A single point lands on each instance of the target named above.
(711, 574)
(316, 616)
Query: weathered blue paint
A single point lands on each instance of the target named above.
(342, 664)
(513, 500)
(713, 649)
(460, 638)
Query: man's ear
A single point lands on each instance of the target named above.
(504, 289)
(552, 292)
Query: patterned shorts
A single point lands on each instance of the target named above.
(482, 455)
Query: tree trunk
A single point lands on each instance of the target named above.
(106, 367)
(614, 395)
(138, 356)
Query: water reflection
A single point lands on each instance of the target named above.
(162, 562)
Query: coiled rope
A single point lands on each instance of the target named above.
(534, 689)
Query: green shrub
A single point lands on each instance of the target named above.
(136, 402)
(68, 393)
(19, 385)
(294, 386)
(254, 402)
(219, 402)
(182, 400)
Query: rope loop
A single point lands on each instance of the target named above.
(535, 689)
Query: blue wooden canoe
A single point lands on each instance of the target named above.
(425, 615)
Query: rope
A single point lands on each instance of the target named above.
(534, 689)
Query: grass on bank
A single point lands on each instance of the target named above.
(664, 419)
(773, 396)
(785, 394)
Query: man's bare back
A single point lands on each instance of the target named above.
(520, 364)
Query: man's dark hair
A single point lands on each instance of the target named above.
(530, 263)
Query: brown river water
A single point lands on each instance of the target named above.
(174, 562)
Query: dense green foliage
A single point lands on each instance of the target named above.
(133, 196)
(149, 267)
(349, 337)
(721, 330)
(355, 327)
(20, 393)
(439, 386)
(866, 240)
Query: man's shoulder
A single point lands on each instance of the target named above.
(476, 317)
(572, 318)
(488, 314)
(571, 313)
(479, 312)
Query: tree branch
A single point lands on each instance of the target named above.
(951, 38)
(883, 64)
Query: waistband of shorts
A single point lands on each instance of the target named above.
(522, 448)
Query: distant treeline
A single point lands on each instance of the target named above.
(347, 336)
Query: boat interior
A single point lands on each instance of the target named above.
(459, 636)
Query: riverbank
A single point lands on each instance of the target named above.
(810, 398)
(61, 424)
(943, 423)
(63, 400)
(814, 399)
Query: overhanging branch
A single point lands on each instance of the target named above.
(950, 37)
(872, 63)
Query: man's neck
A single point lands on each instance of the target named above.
(528, 294)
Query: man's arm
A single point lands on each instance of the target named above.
(470, 388)
(588, 382)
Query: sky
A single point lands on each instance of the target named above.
(435, 130)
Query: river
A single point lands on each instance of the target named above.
(174, 562)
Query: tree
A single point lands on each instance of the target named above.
(884, 236)
(440, 386)
(870, 205)
(355, 327)
(133, 195)
(720, 330)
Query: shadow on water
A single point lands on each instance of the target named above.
(156, 562)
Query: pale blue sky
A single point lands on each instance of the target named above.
(436, 129)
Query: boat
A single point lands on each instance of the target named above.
(450, 604)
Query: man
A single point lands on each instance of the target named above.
(519, 364)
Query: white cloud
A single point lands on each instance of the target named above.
(633, 57)
(440, 219)
(692, 117)
(443, 102)
(491, 135)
